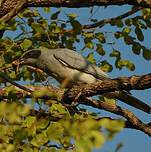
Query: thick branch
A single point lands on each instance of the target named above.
(132, 121)
(134, 82)
(18, 5)
(122, 83)
(7, 6)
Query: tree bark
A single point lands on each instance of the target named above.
(8, 5)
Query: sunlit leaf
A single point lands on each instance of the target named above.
(130, 66)
(72, 15)
(105, 66)
(26, 44)
(111, 101)
(90, 58)
(115, 53)
(127, 30)
(46, 9)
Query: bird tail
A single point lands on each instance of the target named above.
(130, 100)
(134, 102)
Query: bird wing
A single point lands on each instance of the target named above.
(75, 60)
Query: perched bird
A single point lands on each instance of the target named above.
(64, 64)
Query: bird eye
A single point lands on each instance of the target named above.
(32, 54)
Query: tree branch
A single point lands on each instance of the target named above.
(2, 75)
(14, 11)
(132, 120)
(103, 22)
(121, 83)
(134, 82)
(9, 8)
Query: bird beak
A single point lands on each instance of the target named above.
(16, 65)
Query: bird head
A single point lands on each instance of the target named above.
(28, 58)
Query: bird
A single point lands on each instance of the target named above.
(63, 64)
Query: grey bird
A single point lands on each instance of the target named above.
(64, 64)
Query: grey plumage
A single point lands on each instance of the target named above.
(65, 63)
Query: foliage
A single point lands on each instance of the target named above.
(54, 127)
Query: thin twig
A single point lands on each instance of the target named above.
(2, 75)
(102, 22)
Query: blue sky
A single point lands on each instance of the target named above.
(133, 140)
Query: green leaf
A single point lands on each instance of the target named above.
(128, 39)
(148, 22)
(29, 121)
(11, 92)
(111, 101)
(7, 147)
(90, 58)
(130, 66)
(128, 22)
(26, 44)
(100, 50)
(117, 34)
(20, 134)
(136, 48)
(54, 28)
(105, 66)
(12, 25)
(46, 9)
(76, 25)
(12, 74)
(127, 30)
(115, 53)
(38, 28)
(72, 15)
(54, 131)
(146, 53)
(100, 36)
(113, 126)
(139, 34)
(141, 25)
(120, 63)
(39, 140)
(8, 57)
(90, 45)
(27, 75)
(117, 22)
(54, 16)
(97, 139)
(3, 108)
(2, 25)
